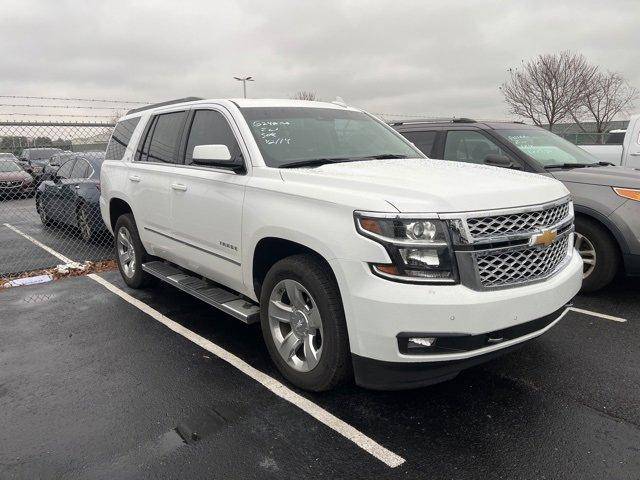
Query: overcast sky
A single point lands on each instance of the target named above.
(402, 57)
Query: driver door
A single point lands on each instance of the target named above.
(58, 195)
(471, 146)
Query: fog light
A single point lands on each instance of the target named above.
(418, 342)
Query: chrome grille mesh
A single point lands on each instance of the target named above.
(481, 227)
(512, 267)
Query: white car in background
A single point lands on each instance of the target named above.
(627, 154)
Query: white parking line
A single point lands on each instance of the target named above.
(596, 314)
(349, 432)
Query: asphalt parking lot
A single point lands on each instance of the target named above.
(19, 254)
(94, 385)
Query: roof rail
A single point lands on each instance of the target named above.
(432, 120)
(162, 104)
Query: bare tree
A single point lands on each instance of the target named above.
(611, 96)
(548, 88)
(304, 95)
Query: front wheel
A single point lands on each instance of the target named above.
(599, 253)
(303, 323)
(130, 253)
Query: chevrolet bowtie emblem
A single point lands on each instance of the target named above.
(544, 239)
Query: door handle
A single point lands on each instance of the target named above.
(635, 154)
(135, 178)
(179, 186)
(77, 187)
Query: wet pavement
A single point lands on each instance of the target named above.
(91, 387)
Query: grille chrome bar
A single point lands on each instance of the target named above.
(500, 255)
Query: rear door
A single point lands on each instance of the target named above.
(150, 176)
(207, 202)
(58, 195)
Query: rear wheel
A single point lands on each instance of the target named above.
(303, 323)
(599, 252)
(44, 217)
(130, 253)
(84, 225)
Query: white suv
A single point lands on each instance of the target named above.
(359, 256)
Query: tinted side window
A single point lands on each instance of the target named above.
(80, 169)
(211, 128)
(423, 140)
(65, 170)
(165, 138)
(469, 146)
(120, 138)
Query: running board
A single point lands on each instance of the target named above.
(216, 296)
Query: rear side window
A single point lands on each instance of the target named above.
(161, 144)
(81, 169)
(120, 138)
(423, 140)
(65, 170)
(211, 128)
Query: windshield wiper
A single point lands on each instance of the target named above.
(316, 162)
(570, 165)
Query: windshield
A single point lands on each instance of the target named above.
(287, 135)
(9, 167)
(547, 148)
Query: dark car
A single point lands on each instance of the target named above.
(71, 197)
(36, 158)
(606, 197)
(14, 181)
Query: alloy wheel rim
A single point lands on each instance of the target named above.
(126, 252)
(296, 325)
(587, 252)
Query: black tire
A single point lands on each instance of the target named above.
(84, 225)
(44, 218)
(137, 277)
(607, 258)
(334, 366)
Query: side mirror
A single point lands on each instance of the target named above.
(500, 161)
(215, 156)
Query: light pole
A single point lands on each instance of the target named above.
(244, 81)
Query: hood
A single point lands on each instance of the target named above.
(625, 177)
(438, 186)
(14, 176)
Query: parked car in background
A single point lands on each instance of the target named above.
(14, 181)
(606, 198)
(71, 196)
(36, 158)
(358, 255)
(625, 153)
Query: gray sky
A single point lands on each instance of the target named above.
(404, 57)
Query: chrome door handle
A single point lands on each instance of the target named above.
(135, 178)
(77, 186)
(179, 186)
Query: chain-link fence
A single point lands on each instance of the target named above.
(49, 195)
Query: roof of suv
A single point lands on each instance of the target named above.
(240, 102)
(417, 124)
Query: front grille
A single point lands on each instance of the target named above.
(512, 267)
(10, 184)
(514, 223)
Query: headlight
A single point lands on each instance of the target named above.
(630, 193)
(420, 248)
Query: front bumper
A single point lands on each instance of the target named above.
(379, 375)
(378, 310)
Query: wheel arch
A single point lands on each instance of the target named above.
(117, 207)
(606, 224)
(271, 249)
